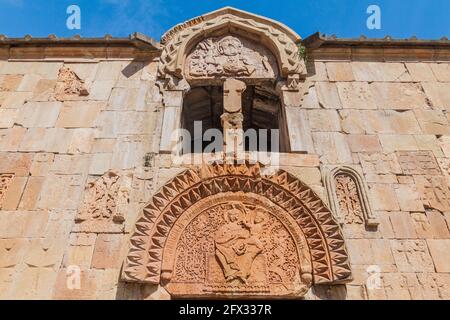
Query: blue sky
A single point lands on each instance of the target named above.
(429, 19)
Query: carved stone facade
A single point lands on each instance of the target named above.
(154, 256)
(357, 205)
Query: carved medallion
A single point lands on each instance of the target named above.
(230, 56)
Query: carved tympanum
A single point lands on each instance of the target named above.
(230, 56)
(228, 229)
(104, 204)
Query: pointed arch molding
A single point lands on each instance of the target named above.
(328, 255)
(281, 40)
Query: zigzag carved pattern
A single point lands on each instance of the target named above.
(324, 238)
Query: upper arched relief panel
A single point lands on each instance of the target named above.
(269, 49)
(230, 56)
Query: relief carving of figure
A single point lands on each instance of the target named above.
(237, 243)
(227, 57)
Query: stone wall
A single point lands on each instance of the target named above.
(79, 137)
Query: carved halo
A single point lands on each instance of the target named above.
(278, 38)
(326, 247)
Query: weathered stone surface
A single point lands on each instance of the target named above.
(79, 114)
(332, 147)
(39, 114)
(384, 197)
(324, 120)
(420, 72)
(412, 256)
(363, 143)
(328, 95)
(356, 95)
(378, 71)
(398, 96)
(441, 71)
(439, 250)
(339, 71)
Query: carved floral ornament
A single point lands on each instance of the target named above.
(348, 196)
(184, 38)
(226, 229)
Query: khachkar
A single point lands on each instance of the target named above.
(228, 230)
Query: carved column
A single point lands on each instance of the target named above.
(233, 118)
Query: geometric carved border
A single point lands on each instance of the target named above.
(329, 176)
(323, 235)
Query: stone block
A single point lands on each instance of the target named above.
(363, 143)
(384, 198)
(11, 138)
(356, 95)
(328, 95)
(444, 142)
(39, 114)
(12, 252)
(441, 71)
(31, 194)
(41, 164)
(109, 70)
(380, 71)
(17, 163)
(79, 114)
(29, 82)
(396, 142)
(398, 96)
(13, 194)
(439, 250)
(10, 82)
(339, 71)
(101, 163)
(107, 252)
(44, 90)
(7, 118)
(23, 224)
(433, 121)
(15, 100)
(438, 93)
(408, 197)
(402, 225)
(324, 120)
(412, 256)
(45, 253)
(101, 90)
(420, 71)
(332, 147)
(82, 141)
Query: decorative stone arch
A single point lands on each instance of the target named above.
(265, 35)
(280, 39)
(359, 194)
(321, 254)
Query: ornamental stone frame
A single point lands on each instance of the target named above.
(198, 211)
(347, 177)
(277, 46)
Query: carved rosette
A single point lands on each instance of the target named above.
(194, 213)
